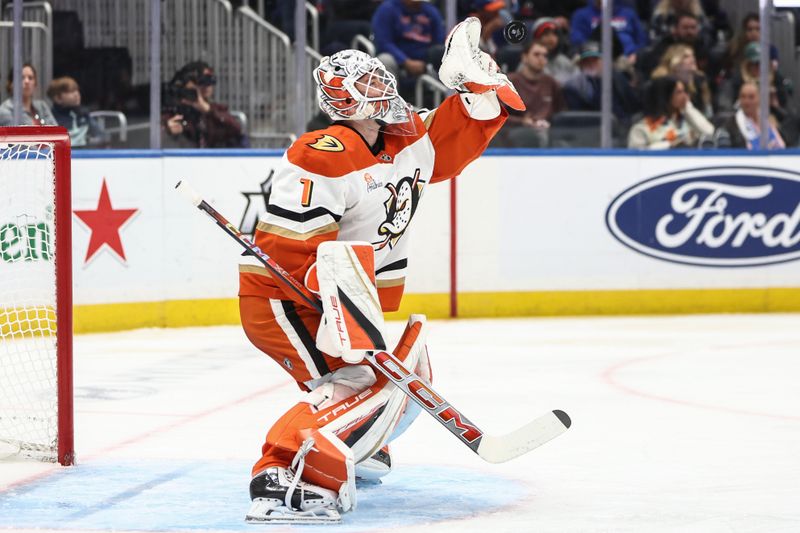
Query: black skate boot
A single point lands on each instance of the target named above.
(280, 496)
(373, 468)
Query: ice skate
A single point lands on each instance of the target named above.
(374, 467)
(280, 497)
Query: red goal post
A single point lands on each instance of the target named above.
(36, 413)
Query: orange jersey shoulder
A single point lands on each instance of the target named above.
(332, 152)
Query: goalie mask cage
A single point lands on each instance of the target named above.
(35, 295)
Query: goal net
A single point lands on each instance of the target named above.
(35, 295)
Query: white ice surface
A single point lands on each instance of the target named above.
(685, 424)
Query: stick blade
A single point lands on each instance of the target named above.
(528, 437)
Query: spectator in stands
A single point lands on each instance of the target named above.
(406, 32)
(679, 61)
(744, 126)
(749, 32)
(190, 116)
(718, 21)
(670, 120)
(665, 16)
(541, 94)
(583, 91)
(626, 24)
(488, 12)
(343, 20)
(748, 71)
(559, 65)
(559, 10)
(686, 30)
(66, 97)
(35, 112)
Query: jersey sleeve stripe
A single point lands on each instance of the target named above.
(429, 119)
(295, 235)
(384, 283)
(253, 269)
(397, 265)
(305, 216)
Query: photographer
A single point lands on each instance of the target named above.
(190, 117)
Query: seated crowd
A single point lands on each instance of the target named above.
(681, 76)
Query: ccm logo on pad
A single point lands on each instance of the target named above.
(716, 216)
(430, 400)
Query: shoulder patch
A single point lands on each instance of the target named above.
(327, 143)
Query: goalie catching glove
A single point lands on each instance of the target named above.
(466, 68)
(352, 323)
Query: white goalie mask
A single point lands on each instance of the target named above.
(352, 85)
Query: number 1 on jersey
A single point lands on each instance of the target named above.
(308, 188)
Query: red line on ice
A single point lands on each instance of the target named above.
(161, 429)
(610, 379)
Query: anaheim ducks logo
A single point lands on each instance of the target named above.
(400, 208)
(327, 143)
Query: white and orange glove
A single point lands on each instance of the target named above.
(466, 68)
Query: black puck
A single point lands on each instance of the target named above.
(515, 32)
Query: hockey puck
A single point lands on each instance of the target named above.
(515, 32)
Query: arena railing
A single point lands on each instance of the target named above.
(262, 78)
(310, 97)
(361, 42)
(198, 30)
(117, 23)
(313, 15)
(121, 129)
(41, 55)
(193, 30)
(432, 84)
(36, 37)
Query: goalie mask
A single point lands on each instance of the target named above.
(352, 85)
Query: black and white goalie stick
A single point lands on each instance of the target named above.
(494, 449)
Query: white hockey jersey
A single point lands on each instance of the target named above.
(332, 185)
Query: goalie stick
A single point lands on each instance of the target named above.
(494, 449)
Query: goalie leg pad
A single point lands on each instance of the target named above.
(330, 464)
(375, 466)
(353, 319)
(413, 342)
(349, 430)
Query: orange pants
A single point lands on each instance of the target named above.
(346, 430)
(287, 332)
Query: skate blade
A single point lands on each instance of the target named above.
(364, 482)
(259, 513)
(288, 519)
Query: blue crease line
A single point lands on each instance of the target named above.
(132, 492)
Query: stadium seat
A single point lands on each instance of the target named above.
(575, 129)
(508, 57)
(121, 128)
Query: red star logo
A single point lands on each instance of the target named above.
(104, 224)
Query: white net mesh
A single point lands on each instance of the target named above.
(28, 388)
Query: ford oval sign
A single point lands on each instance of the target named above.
(718, 216)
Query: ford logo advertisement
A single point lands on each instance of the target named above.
(717, 216)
